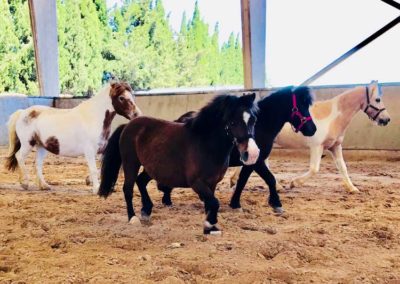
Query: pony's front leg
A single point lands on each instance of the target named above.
(315, 161)
(40, 155)
(166, 199)
(23, 173)
(211, 206)
(91, 160)
(278, 186)
(274, 200)
(337, 155)
(147, 205)
(243, 177)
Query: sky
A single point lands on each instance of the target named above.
(303, 36)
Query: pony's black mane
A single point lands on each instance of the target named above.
(303, 94)
(216, 113)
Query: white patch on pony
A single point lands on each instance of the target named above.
(246, 117)
(208, 225)
(253, 151)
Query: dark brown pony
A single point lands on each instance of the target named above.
(285, 105)
(193, 154)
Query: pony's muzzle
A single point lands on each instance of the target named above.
(383, 121)
(250, 155)
(135, 113)
(383, 118)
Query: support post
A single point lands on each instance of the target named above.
(43, 16)
(254, 42)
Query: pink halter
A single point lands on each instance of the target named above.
(296, 112)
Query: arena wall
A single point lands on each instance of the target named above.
(362, 133)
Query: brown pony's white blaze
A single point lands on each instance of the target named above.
(83, 130)
(332, 118)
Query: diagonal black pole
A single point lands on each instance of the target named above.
(392, 3)
(356, 48)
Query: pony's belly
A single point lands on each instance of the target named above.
(167, 175)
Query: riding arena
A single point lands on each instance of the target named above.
(253, 184)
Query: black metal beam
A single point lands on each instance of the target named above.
(392, 3)
(357, 47)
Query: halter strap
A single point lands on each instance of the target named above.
(379, 110)
(236, 140)
(296, 112)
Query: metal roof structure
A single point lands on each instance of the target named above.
(43, 14)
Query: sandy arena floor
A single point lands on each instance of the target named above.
(326, 235)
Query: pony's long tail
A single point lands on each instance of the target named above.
(11, 163)
(110, 163)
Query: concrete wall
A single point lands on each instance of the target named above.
(362, 133)
(11, 103)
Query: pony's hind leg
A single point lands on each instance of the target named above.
(91, 161)
(315, 161)
(166, 199)
(130, 166)
(40, 155)
(147, 205)
(337, 155)
(21, 155)
(211, 206)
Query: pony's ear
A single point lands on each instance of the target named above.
(114, 80)
(247, 100)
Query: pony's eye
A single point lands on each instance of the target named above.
(378, 100)
(121, 99)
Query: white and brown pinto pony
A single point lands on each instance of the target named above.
(83, 130)
(332, 117)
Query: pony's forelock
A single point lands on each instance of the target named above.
(118, 88)
(304, 94)
(218, 110)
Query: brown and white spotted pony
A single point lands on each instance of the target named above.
(83, 130)
(332, 117)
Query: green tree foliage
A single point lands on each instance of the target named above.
(133, 41)
(17, 58)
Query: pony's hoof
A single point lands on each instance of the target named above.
(95, 189)
(167, 203)
(295, 183)
(88, 181)
(44, 187)
(278, 210)
(145, 218)
(237, 210)
(279, 187)
(25, 186)
(352, 189)
(214, 231)
(235, 206)
(134, 221)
